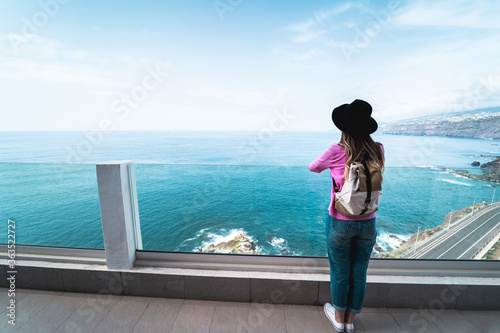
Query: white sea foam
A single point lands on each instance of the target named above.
(277, 241)
(280, 246)
(189, 239)
(219, 236)
(388, 243)
(198, 235)
(451, 181)
(459, 176)
(200, 232)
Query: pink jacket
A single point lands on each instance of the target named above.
(335, 159)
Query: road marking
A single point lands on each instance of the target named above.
(428, 247)
(486, 234)
(468, 235)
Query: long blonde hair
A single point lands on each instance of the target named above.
(355, 147)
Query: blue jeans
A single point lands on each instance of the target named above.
(349, 245)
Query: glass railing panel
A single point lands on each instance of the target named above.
(453, 211)
(266, 210)
(281, 210)
(188, 207)
(51, 204)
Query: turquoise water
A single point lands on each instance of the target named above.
(52, 204)
(266, 190)
(233, 148)
(282, 208)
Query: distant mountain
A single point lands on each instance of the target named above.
(480, 123)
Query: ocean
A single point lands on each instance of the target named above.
(199, 188)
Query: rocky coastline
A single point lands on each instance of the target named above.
(241, 244)
(495, 164)
(490, 174)
(399, 243)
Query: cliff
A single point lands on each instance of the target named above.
(481, 123)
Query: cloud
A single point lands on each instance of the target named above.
(43, 48)
(308, 36)
(44, 59)
(139, 62)
(323, 15)
(305, 31)
(306, 56)
(321, 22)
(301, 27)
(425, 58)
(464, 14)
(58, 72)
(241, 98)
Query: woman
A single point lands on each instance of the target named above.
(350, 240)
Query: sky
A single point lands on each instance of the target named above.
(240, 64)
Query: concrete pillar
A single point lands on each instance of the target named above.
(119, 213)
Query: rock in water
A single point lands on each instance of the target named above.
(475, 163)
(490, 174)
(493, 164)
(400, 241)
(240, 244)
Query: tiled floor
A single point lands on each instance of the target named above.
(47, 311)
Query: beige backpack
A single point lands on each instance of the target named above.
(361, 193)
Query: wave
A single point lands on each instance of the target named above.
(388, 242)
(275, 245)
(222, 236)
(198, 235)
(206, 237)
(280, 246)
(451, 181)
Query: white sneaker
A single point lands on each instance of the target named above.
(330, 314)
(349, 327)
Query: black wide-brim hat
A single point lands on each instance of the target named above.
(355, 118)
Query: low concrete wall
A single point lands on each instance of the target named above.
(254, 287)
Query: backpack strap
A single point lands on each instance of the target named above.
(368, 187)
(334, 184)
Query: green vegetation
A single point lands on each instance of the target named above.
(491, 252)
(450, 218)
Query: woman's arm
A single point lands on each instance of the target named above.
(325, 160)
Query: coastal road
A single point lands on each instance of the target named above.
(464, 240)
